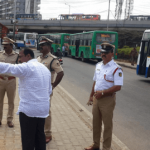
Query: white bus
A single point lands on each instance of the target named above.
(24, 39)
(143, 62)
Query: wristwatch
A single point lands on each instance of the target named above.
(102, 92)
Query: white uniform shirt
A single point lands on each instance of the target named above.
(104, 77)
(34, 87)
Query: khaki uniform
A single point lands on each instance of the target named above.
(46, 60)
(7, 84)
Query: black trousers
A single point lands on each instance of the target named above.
(32, 132)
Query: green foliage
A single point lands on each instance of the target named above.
(126, 50)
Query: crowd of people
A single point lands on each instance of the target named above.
(36, 84)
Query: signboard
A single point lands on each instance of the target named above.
(98, 49)
(105, 35)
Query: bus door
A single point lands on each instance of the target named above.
(142, 67)
(77, 43)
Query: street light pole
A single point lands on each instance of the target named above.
(108, 15)
(14, 21)
(69, 7)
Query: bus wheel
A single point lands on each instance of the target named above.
(82, 58)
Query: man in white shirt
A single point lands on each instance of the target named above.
(108, 79)
(34, 92)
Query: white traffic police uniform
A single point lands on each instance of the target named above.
(105, 77)
(108, 75)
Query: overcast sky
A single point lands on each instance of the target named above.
(53, 8)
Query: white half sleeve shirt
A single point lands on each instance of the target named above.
(108, 75)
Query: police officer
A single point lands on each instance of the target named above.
(108, 79)
(52, 63)
(8, 83)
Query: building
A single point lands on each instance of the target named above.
(22, 7)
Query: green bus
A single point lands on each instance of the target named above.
(86, 45)
(59, 39)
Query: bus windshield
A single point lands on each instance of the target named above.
(19, 37)
(66, 38)
(31, 36)
(146, 36)
(102, 37)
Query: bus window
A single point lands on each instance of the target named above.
(74, 42)
(146, 36)
(86, 42)
(59, 41)
(90, 35)
(85, 36)
(80, 42)
(89, 42)
(145, 48)
(66, 38)
(56, 41)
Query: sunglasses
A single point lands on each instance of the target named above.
(44, 44)
(105, 53)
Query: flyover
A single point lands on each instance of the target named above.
(72, 26)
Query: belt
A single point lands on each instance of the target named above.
(111, 94)
(7, 78)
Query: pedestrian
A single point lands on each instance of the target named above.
(34, 90)
(58, 53)
(52, 63)
(133, 55)
(108, 79)
(63, 50)
(8, 82)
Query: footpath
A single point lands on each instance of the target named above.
(71, 124)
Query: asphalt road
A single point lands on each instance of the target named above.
(132, 112)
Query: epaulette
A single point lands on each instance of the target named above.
(117, 65)
(38, 56)
(53, 56)
(16, 53)
(99, 63)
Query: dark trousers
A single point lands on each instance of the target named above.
(32, 132)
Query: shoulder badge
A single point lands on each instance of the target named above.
(120, 74)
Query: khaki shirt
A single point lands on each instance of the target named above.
(8, 58)
(46, 60)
